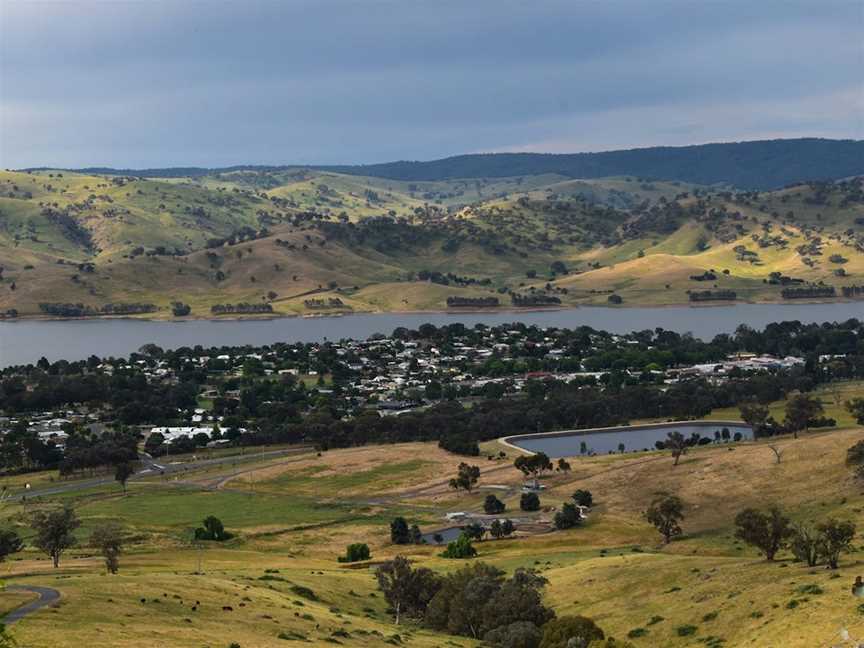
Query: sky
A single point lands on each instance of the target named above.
(138, 84)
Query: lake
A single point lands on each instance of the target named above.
(605, 440)
(25, 341)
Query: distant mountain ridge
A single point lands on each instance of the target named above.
(764, 164)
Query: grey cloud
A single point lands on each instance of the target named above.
(173, 83)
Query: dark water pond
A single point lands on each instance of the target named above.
(634, 438)
(448, 535)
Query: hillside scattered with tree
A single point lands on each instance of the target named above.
(251, 242)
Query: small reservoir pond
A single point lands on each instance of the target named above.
(635, 438)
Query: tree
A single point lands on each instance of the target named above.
(416, 535)
(461, 547)
(754, 415)
(835, 537)
(476, 601)
(492, 505)
(408, 591)
(800, 410)
(154, 442)
(856, 408)
(458, 606)
(583, 498)
(563, 465)
(855, 459)
(529, 502)
(355, 552)
(434, 390)
(475, 531)
(533, 465)
(676, 442)
(466, 477)
(767, 532)
(123, 472)
(568, 517)
(10, 543)
(500, 529)
(521, 634)
(6, 638)
(666, 512)
(108, 538)
(55, 532)
(399, 531)
(569, 631)
(212, 529)
(517, 604)
(804, 544)
(777, 450)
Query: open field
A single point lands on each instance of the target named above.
(297, 513)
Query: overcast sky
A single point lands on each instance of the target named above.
(215, 83)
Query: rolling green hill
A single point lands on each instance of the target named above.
(300, 241)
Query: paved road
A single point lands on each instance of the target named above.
(47, 595)
(151, 467)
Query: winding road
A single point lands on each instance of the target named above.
(47, 596)
(151, 467)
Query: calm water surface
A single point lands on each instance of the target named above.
(637, 438)
(26, 341)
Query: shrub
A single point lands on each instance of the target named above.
(583, 498)
(568, 517)
(529, 502)
(305, 592)
(212, 530)
(492, 505)
(355, 552)
(570, 630)
(460, 548)
(686, 630)
(521, 634)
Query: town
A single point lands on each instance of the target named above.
(226, 394)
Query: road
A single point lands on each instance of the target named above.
(47, 595)
(152, 467)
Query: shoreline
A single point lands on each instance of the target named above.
(467, 311)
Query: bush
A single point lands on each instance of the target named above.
(521, 634)
(583, 498)
(460, 548)
(212, 530)
(570, 630)
(400, 533)
(492, 505)
(568, 517)
(355, 552)
(305, 592)
(529, 502)
(686, 630)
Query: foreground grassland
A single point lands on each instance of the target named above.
(293, 516)
(296, 235)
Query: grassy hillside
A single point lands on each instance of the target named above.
(292, 516)
(281, 238)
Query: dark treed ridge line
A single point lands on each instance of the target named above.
(763, 164)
